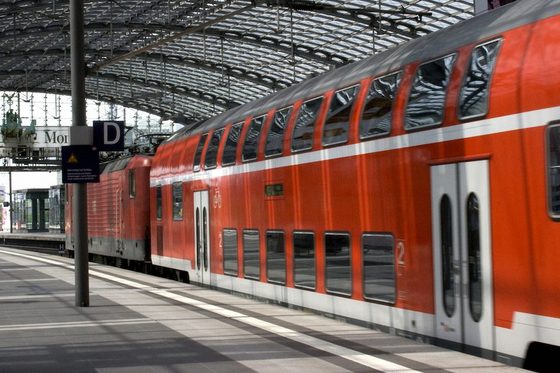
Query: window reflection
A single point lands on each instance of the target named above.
(335, 130)
(427, 98)
(447, 271)
(338, 270)
(198, 154)
(302, 138)
(230, 149)
(177, 201)
(275, 138)
(554, 169)
(250, 146)
(474, 93)
(212, 151)
(251, 256)
(304, 259)
(158, 202)
(275, 257)
(377, 114)
(379, 266)
(475, 268)
(230, 251)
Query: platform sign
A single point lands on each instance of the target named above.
(108, 135)
(80, 164)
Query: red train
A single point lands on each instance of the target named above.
(417, 190)
(118, 213)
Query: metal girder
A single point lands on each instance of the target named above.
(323, 57)
(239, 73)
(260, 45)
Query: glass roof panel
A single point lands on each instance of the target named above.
(193, 59)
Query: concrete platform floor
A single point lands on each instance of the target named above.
(138, 323)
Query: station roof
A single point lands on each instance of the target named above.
(189, 60)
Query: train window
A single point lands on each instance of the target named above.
(251, 253)
(427, 97)
(473, 245)
(230, 251)
(302, 138)
(158, 203)
(447, 259)
(554, 170)
(250, 146)
(177, 201)
(131, 183)
(275, 257)
(275, 137)
(335, 130)
(338, 271)
(473, 99)
(198, 154)
(230, 149)
(378, 107)
(304, 259)
(379, 266)
(212, 151)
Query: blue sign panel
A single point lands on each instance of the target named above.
(80, 164)
(108, 135)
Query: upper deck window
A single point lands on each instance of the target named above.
(473, 100)
(554, 170)
(302, 138)
(198, 154)
(275, 137)
(378, 108)
(427, 97)
(335, 130)
(230, 149)
(212, 151)
(250, 146)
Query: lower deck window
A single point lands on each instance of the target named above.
(251, 257)
(230, 251)
(554, 170)
(275, 257)
(304, 260)
(379, 266)
(338, 270)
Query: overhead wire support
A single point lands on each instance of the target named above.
(168, 39)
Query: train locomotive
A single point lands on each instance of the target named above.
(417, 191)
(118, 213)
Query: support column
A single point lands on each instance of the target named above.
(79, 201)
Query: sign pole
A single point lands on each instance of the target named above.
(79, 202)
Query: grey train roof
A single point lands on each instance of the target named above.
(423, 49)
(190, 60)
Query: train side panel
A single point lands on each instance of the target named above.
(377, 242)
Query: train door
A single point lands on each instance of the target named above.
(464, 311)
(202, 237)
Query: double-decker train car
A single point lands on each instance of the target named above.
(417, 190)
(118, 212)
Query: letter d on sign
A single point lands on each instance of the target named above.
(116, 134)
(108, 135)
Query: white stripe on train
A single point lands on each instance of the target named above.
(531, 119)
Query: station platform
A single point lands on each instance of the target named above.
(33, 236)
(48, 243)
(140, 323)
